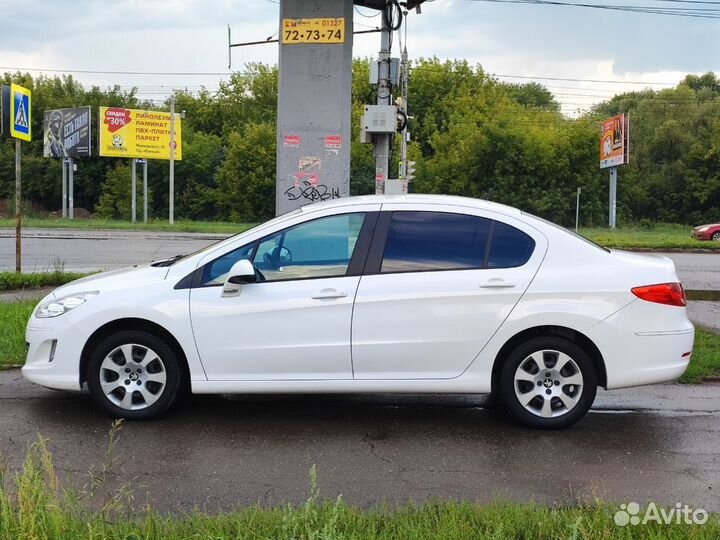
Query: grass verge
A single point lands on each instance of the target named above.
(13, 319)
(35, 507)
(220, 227)
(705, 360)
(655, 237)
(10, 281)
(14, 315)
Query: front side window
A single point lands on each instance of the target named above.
(420, 241)
(319, 248)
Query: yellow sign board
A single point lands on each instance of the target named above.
(323, 30)
(20, 107)
(134, 133)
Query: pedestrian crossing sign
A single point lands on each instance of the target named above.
(20, 110)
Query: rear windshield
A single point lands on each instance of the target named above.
(572, 233)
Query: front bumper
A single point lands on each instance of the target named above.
(53, 366)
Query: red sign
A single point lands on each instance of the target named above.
(333, 141)
(292, 141)
(116, 119)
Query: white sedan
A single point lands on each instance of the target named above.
(416, 293)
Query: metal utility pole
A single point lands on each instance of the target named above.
(18, 209)
(577, 209)
(613, 198)
(71, 191)
(64, 188)
(171, 196)
(145, 192)
(133, 189)
(384, 96)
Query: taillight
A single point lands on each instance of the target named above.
(670, 294)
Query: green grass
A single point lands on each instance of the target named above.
(651, 236)
(34, 506)
(705, 360)
(219, 227)
(13, 319)
(10, 281)
(655, 236)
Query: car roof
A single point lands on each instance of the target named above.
(451, 200)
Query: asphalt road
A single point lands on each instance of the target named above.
(658, 443)
(44, 249)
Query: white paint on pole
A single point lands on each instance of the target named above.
(171, 195)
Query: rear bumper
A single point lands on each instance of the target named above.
(644, 343)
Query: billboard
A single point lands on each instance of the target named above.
(66, 132)
(614, 136)
(133, 133)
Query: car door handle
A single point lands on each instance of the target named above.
(329, 293)
(497, 283)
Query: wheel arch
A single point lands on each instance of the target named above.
(569, 334)
(142, 325)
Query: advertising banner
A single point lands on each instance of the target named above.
(66, 133)
(613, 142)
(133, 133)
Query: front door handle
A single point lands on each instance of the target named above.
(329, 293)
(497, 283)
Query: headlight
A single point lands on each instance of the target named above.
(703, 229)
(62, 305)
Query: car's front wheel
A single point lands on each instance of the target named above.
(134, 375)
(548, 383)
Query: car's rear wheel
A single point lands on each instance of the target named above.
(548, 383)
(716, 236)
(134, 375)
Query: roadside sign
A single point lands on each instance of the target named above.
(322, 30)
(66, 132)
(16, 115)
(614, 136)
(134, 133)
(20, 108)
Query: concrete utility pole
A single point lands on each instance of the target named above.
(314, 102)
(171, 195)
(384, 96)
(71, 190)
(64, 187)
(612, 215)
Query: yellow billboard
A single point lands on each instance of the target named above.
(133, 133)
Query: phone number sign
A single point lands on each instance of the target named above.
(323, 30)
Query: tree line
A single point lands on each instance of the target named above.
(472, 135)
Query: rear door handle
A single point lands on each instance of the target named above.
(329, 293)
(497, 283)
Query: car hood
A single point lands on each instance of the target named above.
(113, 280)
(708, 225)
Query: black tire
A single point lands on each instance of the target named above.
(716, 236)
(525, 355)
(167, 366)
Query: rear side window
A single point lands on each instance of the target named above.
(420, 241)
(510, 247)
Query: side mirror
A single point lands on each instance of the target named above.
(241, 273)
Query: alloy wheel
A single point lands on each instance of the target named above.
(133, 376)
(548, 383)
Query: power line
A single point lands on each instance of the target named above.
(701, 13)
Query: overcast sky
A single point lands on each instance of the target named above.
(506, 39)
